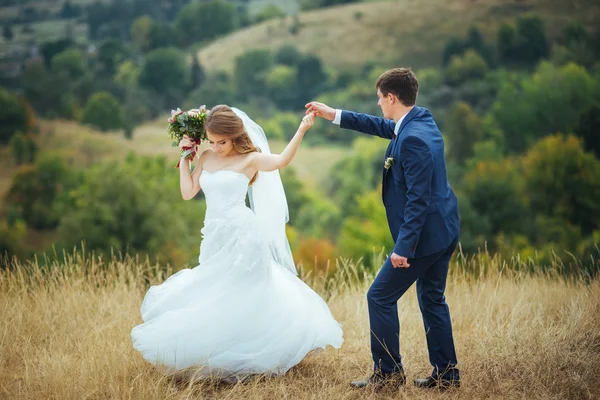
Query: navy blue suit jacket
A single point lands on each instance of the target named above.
(421, 208)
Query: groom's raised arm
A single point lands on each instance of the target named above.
(365, 123)
(417, 161)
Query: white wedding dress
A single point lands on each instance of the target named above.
(238, 312)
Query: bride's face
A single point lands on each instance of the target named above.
(220, 144)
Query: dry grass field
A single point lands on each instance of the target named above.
(64, 334)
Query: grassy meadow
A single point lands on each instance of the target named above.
(65, 335)
(398, 31)
(521, 331)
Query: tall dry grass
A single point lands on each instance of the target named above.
(64, 334)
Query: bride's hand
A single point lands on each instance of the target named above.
(307, 121)
(186, 142)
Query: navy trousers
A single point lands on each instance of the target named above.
(391, 283)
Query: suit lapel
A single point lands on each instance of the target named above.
(392, 146)
(411, 114)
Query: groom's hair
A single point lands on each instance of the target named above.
(402, 83)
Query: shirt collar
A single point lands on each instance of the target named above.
(397, 127)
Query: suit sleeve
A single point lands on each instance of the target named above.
(417, 161)
(368, 124)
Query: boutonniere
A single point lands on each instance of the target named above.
(388, 162)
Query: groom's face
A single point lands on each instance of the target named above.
(384, 102)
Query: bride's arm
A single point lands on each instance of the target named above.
(189, 182)
(271, 162)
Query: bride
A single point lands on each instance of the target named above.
(242, 310)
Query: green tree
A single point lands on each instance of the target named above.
(36, 86)
(366, 234)
(141, 31)
(69, 10)
(357, 173)
(311, 77)
(12, 237)
(474, 40)
(148, 34)
(574, 33)
(534, 45)
(523, 44)
(198, 76)
(563, 181)
(551, 100)
(282, 126)
(250, 73)
(575, 45)
(52, 48)
(505, 42)
(36, 189)
(139, 105)
(357, 96)
(453, 47)
(7, 32)
(588, 128)
(475, 228)
(282, 86)
(24, 148)
(470, 66)
(288, 54)
(495, 191)
(111, 53)
(162, 35)
(270, 11)
(295, 193)
(128, 74)
(132, 207)
(18, 145)
(464, 129)
(312, 4)
(204, 21)
(166, 72)
(13, 116)
(70, 62)
(217, 89)
(103, 111)
(318, 217)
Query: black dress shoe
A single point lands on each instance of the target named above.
(379, 380)
(440, 383)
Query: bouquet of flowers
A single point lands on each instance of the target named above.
(190, 123)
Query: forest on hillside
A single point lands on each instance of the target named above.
(519, 110)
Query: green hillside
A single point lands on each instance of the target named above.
(399, 31)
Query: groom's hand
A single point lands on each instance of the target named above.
(399, 261)
(320, 110)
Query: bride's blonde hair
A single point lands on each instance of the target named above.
(222, 121)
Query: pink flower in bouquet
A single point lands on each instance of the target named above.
(174, 115)
(191, 124)
(198, 110)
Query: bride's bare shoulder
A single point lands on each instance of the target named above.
(249, 158)
(207, 154)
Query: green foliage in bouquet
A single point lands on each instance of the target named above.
(190, 123)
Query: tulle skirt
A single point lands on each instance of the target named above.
(238, 312)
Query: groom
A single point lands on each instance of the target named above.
(422, 213)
